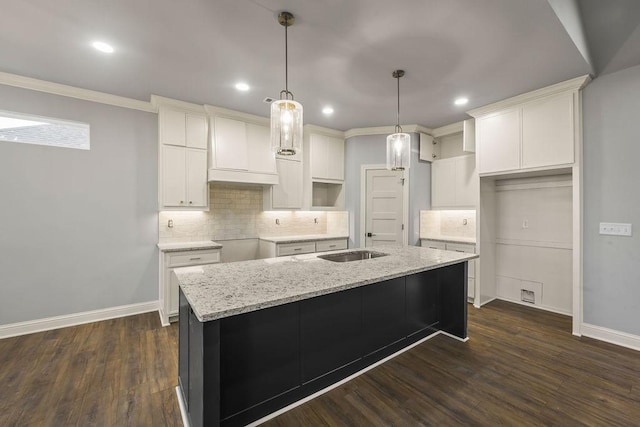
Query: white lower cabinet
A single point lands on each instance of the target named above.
(271, 249)
(457, 247)
(168, 281)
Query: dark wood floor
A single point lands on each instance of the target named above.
(521, 367)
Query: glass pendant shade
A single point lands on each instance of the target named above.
(286, 127)
(398, 151)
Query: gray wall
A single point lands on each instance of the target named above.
(369, 150)
(78, 228)
(611, 108)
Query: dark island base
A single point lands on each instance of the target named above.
(238, 369)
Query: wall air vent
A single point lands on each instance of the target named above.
(268, 100)
(528, 296)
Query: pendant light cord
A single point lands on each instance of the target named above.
(286, 60)
(398, 128)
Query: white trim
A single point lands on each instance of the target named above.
(238, 176)
(64, 321)
(448, 129)
(383, 130)
(183, 408)
(324, 131)
(487, 301)
(454, 337)
(349, 378)
(74, 92)
(574, 84)
(363, 203)
(236, 115)
(538, 307)
(160, 102)
(622, 339)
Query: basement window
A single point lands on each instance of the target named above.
(27, 129)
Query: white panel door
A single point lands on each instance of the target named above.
(197, 186)
(259, 154)
(230, 141)
(498, 142)
(384, 207)
(172, 125)
(173, 176)
(196, 131)
(547, 132)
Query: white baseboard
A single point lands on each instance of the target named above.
(183, 408)
(539, 307)
(622, 339)
(57, 322)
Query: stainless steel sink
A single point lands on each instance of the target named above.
(352, 256)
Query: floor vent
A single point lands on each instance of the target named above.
(528, 296)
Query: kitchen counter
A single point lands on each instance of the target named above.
(223, 290)
(189, 246)
(303, 238)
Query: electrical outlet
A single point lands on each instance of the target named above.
(615, 229)
(170, 223)
(464, 221)
(525, 223)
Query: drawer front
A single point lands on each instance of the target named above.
(181, 259)
(331, 245)
(433, 244)
(295, 248)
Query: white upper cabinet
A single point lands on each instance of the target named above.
(327, 157)
(260, 157)
(287, 194)
(547, 132)
(531, 132)
(427, 148)
(182, 182)
(499, 141)
(184, 129)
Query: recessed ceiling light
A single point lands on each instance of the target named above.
(461, 101)
(103, 47)
(242, 86)
(327, 111)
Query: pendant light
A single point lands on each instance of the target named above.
(398, 143)
(286, 114)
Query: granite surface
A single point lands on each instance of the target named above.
(222, 290)
(189, 246)
(305, 238)
(452, 239)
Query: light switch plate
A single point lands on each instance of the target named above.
(615, 229)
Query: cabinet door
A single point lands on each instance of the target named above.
(443, 183)
(288, 193)
(260, 156)
(230, 144)
(335, 158)
(547, 132)
(197, 186)
(498, 141)
(318, 156)
(173, 176)
(172, 296)
(427, 148)
(196, 131)
(466, 181)
(172, 127)
(383, 314)
(469, 136)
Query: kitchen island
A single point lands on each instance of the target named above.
(256, 336)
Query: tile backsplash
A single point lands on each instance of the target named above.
(448, 223)
(236, 213)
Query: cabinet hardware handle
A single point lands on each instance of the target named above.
(458, 250)
(332, 246)
(297, 249)
(195, 259)
(190, 202)
(181, 201)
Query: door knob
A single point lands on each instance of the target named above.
(370, 234)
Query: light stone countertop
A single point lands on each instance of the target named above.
(215, 291)
(452, 239)
(189, 246)
(303, 238)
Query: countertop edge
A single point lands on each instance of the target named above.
(450, 240)
(187, 246)
(298, 239)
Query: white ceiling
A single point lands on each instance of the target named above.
(341, 52)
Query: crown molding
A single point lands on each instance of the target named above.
(324, 131)
(23, 82)
(448, 129)
(384, 130)
(162, 102)
(569, 85)
(237, 115)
